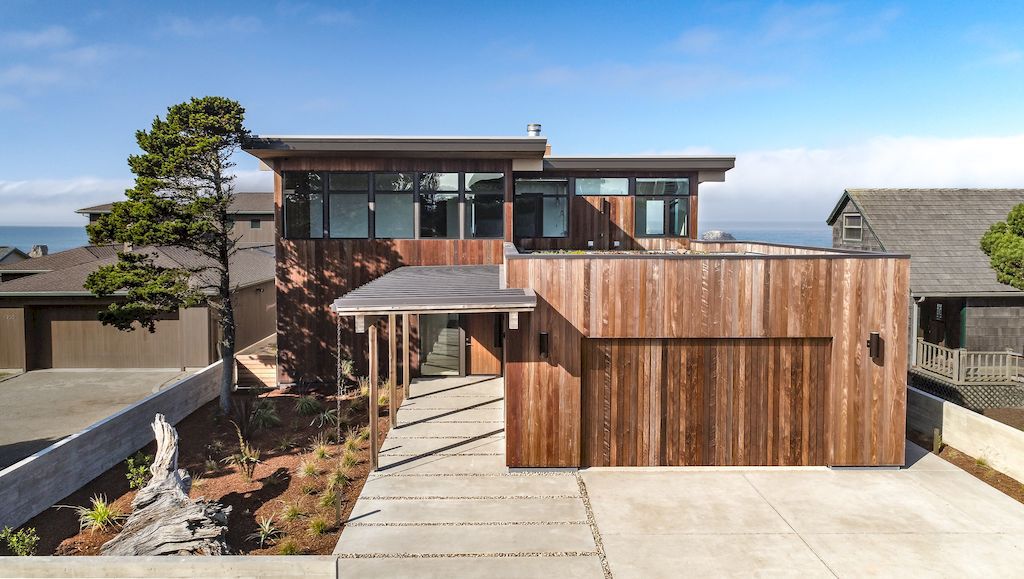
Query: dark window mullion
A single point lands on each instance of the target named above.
(371, 204)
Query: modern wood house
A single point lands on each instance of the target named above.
(622, 339)
(251, 212)
(966, 328)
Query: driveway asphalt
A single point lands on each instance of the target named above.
(444, 505)
(41, 407)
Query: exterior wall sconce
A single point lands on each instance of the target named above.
(874, 345)
(544, 344)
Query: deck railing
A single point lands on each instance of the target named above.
(964, 367)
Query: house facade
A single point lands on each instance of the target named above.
(622, 339)
(252, 214)
(49, 320)
(958, 303)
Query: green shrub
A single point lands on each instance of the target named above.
(308, 468)
(338, 478)
(349, 459)
(264, 414)
(353, 441)
(383, 399)
(318, 526)
(138, 469)
(100, 515)
(329, 499)
(292, 512)
(310, 488)
(288, 547)
(22, 542)
(266, 532)
(308, 406)
(285, 443)
(246, 458)
(320, 446)
(327, 417)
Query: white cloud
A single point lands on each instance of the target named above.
(697, 40)
(54, 201)
(51, 37)
(803, 184)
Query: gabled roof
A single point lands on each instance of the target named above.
(941, 229)
(248, 202)
(6, 252)
(61, 259)
(67, 276)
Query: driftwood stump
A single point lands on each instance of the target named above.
(164, 520)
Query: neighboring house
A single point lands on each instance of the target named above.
(957, 303)
(252, 213)
(11, 255)
(49, 320)
(622, 339)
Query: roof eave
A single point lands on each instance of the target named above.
(277, 146)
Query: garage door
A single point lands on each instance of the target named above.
(72, 337)
(726, 402)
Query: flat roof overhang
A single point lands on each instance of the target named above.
(426, 289)
(267, 147)
(707, 168)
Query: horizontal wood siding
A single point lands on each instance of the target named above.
(841, 299)
(725, 402)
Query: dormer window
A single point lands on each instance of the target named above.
(853, 227)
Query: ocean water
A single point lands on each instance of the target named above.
(56, 238)
(807, 233)
(810, 233)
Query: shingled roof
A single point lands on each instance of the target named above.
(941, 229)
(67, 275)
(248, 202)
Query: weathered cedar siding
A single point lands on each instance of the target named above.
(838, 298)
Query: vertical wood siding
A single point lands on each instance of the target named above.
(838, 299)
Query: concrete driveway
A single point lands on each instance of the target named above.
(444, 505)
(41, 407)
(928, 520)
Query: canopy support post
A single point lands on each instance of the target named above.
(406, 356)
(374, 411)
(393, 370)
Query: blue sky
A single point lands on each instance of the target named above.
(810, 97)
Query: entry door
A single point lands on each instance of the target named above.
(441, 351)
(483, 344)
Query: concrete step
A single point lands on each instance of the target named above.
(442, 464)
(562, 485)
(489, 567)
(447, 429)
(487, 413)
(485, 539)
(444, 446)
(568, 510)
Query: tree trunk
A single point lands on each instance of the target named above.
(227, 344)
(164, 520)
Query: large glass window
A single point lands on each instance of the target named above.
(393, 205)
(348, 202)
(439, 205)
(603, 186)
(485, 205)
(541, 208)
(662, 207)
(303, 205)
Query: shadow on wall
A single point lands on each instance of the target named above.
(311, 274)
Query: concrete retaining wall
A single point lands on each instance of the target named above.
(37, 482)
(1000, 445)
(314, 567)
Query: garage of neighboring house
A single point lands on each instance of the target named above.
(47, 319)
(721, 402)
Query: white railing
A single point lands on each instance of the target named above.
(961, 366)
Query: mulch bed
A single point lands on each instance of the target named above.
(1010, 416)
(205, 439)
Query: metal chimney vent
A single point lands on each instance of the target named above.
(533, 130)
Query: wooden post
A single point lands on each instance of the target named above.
(393, 369)
(406, 357)
(374, 411)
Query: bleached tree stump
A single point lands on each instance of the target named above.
(164, 520)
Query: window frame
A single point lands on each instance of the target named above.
(466, 205)
(570, 185)
(255, 224)
(415, 202)
(666, 209)
(285, 234)
(859, 227)
(328, 192)
(630, 191)
(420, 196)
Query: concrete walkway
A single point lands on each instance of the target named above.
(444, 505)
